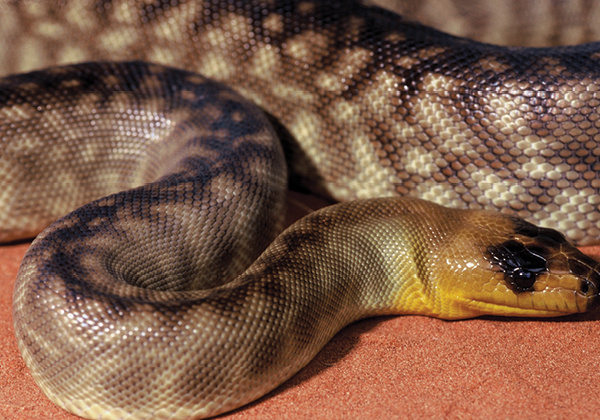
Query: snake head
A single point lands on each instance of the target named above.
(535, 251)
(525, 271)
(542, 273)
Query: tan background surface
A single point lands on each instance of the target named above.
(393, 367)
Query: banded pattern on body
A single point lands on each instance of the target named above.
(531, 23)
(397, 108)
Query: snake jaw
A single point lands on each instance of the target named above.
(554, 294)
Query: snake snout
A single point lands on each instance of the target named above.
(588, 270)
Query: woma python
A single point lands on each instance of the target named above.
(172, 294)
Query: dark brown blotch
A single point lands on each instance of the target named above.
(544, 236)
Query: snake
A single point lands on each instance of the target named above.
(152, 144)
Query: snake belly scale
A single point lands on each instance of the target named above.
(178, 182)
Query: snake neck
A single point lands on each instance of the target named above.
(382, 270)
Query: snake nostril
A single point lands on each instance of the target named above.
(586, 269)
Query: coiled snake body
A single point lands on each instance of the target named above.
(368, 105)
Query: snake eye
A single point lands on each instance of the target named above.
(521, 265)
(523, 279)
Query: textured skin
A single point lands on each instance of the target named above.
(532, 23)
(139, 304)
(396, 108)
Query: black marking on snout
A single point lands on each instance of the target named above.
(520, 264)
(580, 265)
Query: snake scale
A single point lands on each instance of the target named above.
(168, 292)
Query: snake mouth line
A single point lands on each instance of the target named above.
(488, 307)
